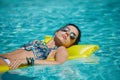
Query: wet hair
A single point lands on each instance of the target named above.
(79, 33)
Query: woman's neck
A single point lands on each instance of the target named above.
(51, 43)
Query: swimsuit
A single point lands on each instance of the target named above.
(39, 48)
(5, 59)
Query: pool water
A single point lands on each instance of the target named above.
(25, 20)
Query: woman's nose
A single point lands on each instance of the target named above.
(68, 33)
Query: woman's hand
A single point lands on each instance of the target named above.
(15, 64)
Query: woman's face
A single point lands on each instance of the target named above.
(66, 36)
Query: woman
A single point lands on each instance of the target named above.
(38, 52)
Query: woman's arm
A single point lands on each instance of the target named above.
(60, 57)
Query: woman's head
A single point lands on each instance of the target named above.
(68, 35)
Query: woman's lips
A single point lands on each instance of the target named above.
(65, 37)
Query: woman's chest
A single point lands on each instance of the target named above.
(52, 54)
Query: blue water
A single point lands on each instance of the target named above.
(99, 21)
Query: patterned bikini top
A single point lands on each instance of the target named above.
(39, 48)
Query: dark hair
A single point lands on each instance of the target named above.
(79, 33)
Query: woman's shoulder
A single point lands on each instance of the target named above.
(62, 49)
